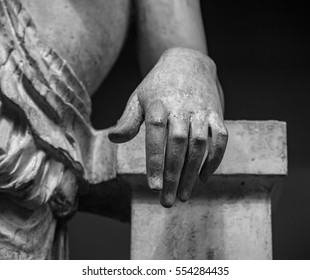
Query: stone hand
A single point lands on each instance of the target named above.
(185, 134)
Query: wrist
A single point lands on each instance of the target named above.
(189, 57)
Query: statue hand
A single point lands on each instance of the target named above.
(180, 103)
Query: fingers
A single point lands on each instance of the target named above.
(198, 138)
(155, 138)
(129, 124)
(175, 146)
(217, 146)
(178, 129)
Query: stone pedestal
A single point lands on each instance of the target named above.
(229, 218)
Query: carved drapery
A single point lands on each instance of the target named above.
(48, 150)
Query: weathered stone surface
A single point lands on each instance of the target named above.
(254, 147)
(229, 218)
(232, 223)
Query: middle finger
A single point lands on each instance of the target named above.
(178, 129)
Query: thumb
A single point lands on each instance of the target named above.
(129, 124)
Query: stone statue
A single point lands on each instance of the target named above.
(53, 56)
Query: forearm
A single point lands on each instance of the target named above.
(164, 24)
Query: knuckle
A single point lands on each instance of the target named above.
(223, 135)
(157, 122)
(199, 118)
(215, 118)
(199, 140)
(179, 137)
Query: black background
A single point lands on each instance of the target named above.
(262, 54)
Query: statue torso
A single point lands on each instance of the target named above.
(88, 34)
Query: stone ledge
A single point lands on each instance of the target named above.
(254, 147)
(254, 163)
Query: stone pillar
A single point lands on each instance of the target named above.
(229, 217)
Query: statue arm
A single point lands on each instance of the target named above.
(165, 24)
(180, 100)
